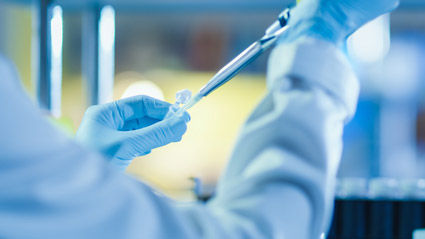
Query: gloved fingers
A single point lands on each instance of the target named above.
(119, 164)
(141, 106)
(173, 129)
(186, 117)
(138, 123)
(119, 112)
(157, 135)
(145, 153)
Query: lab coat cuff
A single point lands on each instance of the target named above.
(319, 62)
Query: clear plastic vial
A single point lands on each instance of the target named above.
(182, 97)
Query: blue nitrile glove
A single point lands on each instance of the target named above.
(130, 127)
(334, 20)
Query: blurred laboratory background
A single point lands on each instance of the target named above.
(71, 54)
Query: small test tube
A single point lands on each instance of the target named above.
(182, 97)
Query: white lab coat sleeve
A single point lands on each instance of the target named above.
(278, 183)
(280, 179)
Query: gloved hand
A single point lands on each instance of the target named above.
(130, 127)
(334, 20)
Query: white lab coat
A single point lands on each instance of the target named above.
(278, 184)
